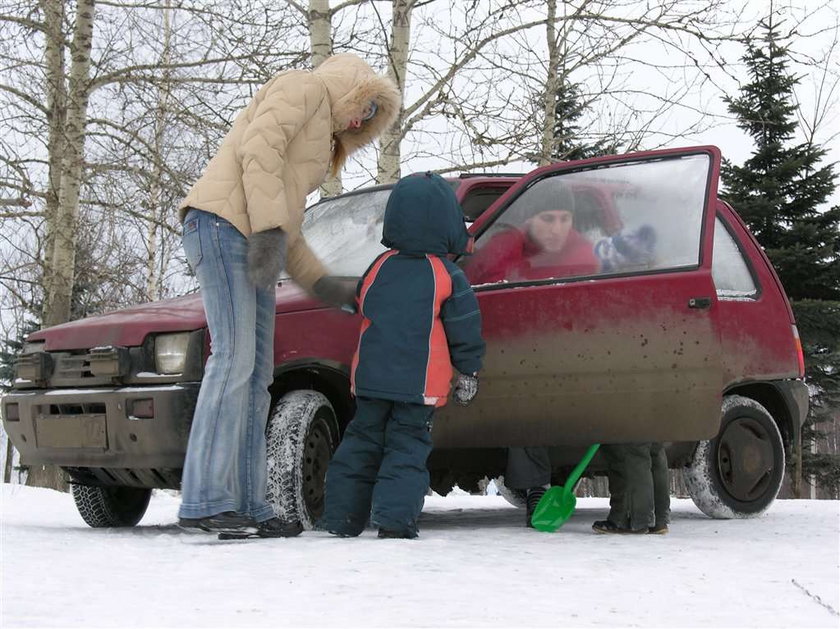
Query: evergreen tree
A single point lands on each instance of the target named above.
(779, 192)
(819, 323)
(780, 188)
(569, 106)
(9, 350)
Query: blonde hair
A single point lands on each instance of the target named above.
(339, 156)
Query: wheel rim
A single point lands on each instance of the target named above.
(317, 452)
(745, 459)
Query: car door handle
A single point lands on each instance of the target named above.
(701, 303)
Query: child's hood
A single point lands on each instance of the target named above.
(424, 216)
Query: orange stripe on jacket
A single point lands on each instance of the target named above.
(439, 365)
(366, 284)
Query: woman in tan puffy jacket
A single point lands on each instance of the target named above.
(242, 223)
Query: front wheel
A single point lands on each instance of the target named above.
(301, 437)
(111, 506)
(738, 473)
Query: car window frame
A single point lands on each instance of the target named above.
(485, 222)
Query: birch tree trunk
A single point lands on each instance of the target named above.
(320, 30)
(7, 468)
(388, 166)
(320, 40)
(551, 85)
(63, 259)
(56, 98)
(156, 188)
(66, 113)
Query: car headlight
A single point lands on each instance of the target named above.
(171, 352)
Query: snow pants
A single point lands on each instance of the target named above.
(528, 467)
(379, 469)
(639, 487)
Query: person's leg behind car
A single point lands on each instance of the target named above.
(661, 488)
(631, 489)
(529, 469)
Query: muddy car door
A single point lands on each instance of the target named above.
(598, 305)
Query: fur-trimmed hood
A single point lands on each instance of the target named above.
(352, 84)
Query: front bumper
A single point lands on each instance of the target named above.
(96, 427)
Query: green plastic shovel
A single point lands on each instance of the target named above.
(558, 503)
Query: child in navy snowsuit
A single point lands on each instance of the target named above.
(420, 318)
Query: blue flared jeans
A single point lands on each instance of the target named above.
(225, 466)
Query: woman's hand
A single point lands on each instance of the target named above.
(266, 256)
(336, 293)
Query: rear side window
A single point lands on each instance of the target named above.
(479, 199)
(730, 272)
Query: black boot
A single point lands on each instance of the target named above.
(607, 526)
(275, 527)
(532, 498)
(389, 534)
(225, 522)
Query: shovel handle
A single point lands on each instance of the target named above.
(574, 477)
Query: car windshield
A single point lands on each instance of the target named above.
(345, 232)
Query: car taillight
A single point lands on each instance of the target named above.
(800, 357)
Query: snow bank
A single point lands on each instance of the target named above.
(474, 565)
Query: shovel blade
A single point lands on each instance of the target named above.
(554, 508)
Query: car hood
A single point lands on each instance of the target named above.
(130, 326)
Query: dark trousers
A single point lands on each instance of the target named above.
(527, 467)
(639, 487)
(379, 469)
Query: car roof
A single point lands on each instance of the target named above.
(455, 181)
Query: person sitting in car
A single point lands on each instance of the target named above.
(544, 245)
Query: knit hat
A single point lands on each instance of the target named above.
(544, 195)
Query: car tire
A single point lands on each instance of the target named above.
(516, 497)
(301, 437)
(738, 473)
(102, 507)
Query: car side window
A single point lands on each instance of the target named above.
(616, 219)
(730, 271)
(479, 199)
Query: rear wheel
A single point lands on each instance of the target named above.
(738, 473)
(301, 437)
(111, 506)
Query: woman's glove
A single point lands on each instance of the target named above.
(466, 388)
(266, 256)
(336, 293)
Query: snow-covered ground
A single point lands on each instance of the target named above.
(474, 565)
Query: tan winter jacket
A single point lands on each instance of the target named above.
(280, 147)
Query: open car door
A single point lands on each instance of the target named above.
(616, 343)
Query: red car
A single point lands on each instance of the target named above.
(693, 344)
